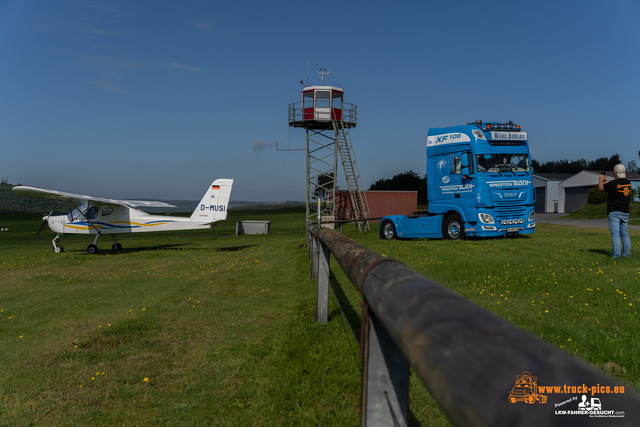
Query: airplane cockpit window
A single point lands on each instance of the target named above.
(107, 210)
(90, 212)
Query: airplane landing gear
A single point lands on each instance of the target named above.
(116, 247)
(92, 249)
(56, 247)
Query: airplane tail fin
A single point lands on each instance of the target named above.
(214, 205)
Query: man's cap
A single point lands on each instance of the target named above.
(620, 170)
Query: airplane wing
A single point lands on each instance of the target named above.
(59, 195)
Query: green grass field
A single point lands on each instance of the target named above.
(206, 328)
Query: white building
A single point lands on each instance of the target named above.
(572, 192)
(546, 185)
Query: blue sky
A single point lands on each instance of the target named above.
(156, 99)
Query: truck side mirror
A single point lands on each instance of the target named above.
(465, 162)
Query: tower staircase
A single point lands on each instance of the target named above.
(351, 173)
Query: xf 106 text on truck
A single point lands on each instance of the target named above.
(478, 184)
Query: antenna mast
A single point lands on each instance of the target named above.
(323, 71)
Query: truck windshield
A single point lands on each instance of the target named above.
(502, 162)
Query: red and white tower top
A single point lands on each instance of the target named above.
(320, 105)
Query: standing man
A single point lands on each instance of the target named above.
(618, 209)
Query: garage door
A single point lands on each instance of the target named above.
(575, 198)
(538, 206)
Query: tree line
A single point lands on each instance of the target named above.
(14, 202)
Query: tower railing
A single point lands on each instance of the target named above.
(297, 117)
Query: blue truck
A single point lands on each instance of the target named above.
(479, 184)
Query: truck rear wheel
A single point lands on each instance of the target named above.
(452, 227)
(387, 230)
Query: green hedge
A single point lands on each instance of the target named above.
(595, 196)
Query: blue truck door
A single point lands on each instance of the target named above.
(452, 184)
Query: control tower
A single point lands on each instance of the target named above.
(326, 120)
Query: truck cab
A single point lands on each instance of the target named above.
(479, 183)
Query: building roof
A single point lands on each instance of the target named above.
(553, 176)
(631, 176)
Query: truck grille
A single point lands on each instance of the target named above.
(506, 211)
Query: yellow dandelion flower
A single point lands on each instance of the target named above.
(146, 379)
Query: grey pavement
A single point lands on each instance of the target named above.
(555, 218)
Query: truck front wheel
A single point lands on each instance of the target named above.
(452, 227)
(387, 230)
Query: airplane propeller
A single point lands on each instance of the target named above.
(45, 219)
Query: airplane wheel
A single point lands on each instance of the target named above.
(58, 248)
(116, 247)
(387, 230)
(92, 249)
(452, 227)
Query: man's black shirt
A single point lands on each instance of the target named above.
(619, 191)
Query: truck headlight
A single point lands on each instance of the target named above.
(486, 218)
(532, 215)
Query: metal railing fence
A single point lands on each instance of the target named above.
(467, 357)
(296, 114)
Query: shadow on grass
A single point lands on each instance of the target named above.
(234, 248)
(351, 316)
(174, 247)
(171, 247)
(600, 251)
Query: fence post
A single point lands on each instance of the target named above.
(322, 287)
(385, 378)
(314, 257)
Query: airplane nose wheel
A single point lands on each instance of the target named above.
(92, 249)
(56, 247)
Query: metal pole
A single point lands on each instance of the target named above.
(385, 379)
(308, 189)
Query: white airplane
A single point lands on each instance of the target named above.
(92, 215)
